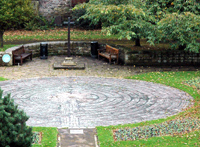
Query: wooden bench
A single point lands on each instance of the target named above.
(20, 54)
(110, 53)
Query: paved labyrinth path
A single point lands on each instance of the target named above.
(91, 101)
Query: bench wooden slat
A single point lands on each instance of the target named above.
(109, 53)
(19, 54)
(25, 55)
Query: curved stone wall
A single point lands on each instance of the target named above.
(54, 48)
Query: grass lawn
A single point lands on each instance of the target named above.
(173, 79)
(49, 136)
(2, 79)
(55, 34)
(6, 46)
(23, 36)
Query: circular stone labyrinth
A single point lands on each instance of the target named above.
(91, 101)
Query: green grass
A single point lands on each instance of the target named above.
(56, 34)
(3, 79)
(49, 136)
(173, 79)
(6, 46)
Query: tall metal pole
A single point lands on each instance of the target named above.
(68, 51)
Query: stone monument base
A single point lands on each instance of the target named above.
(69, 64)
(77, 66)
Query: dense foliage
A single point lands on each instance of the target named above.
(39, 22)
(180, 30)
(177, 22)
(174, 21)
(13, 14)
(117, 17)
(13, 129)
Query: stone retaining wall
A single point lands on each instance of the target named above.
(61, 48)
(126, 56)
(160, 58)
(82, 48)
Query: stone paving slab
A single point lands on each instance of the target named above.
(80, 102)
(87, 139)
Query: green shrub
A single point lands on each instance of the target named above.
(13, 129)
(39, 23)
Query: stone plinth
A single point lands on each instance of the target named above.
(77, 66)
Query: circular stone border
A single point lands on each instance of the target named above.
(90, 101)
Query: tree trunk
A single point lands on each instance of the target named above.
(137, 42)
(1, 38)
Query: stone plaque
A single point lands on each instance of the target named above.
(76, 131)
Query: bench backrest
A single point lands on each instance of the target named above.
(111, 50)
(19, 50)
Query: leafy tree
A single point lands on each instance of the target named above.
(123, 17)
(13, 129)
(180, 30)
(173, 6)
(13, 14)
(173, 21)
(177, 22)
